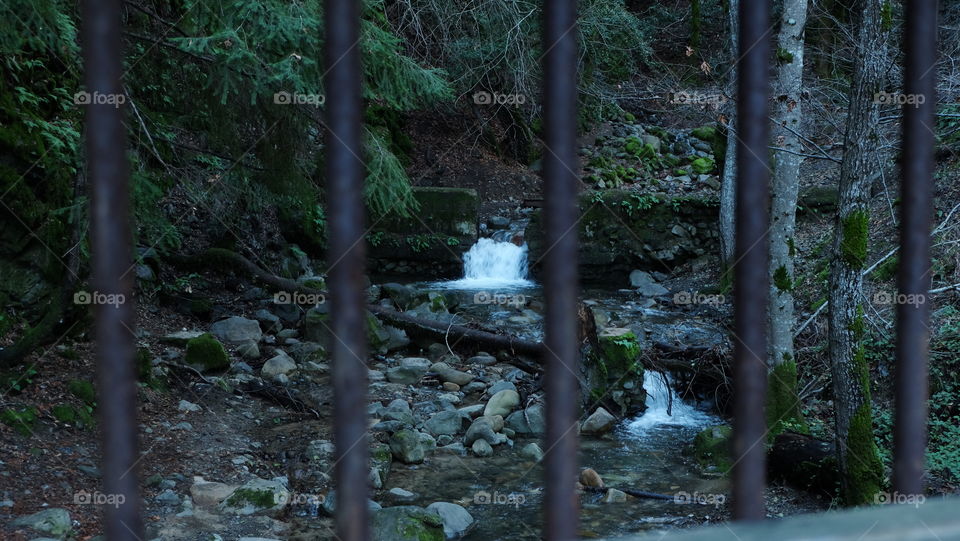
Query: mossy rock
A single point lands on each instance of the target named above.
(705, 133)
(20, 420)
(207, 353)
(69, 414)
(702, 166)
(711, 447)
(407, 523)
(83, 390)
(621, 351)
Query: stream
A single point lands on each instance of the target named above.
(649, 452)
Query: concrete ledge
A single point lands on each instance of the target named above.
(935, 520)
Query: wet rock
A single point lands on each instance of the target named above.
(208, 493)
(590, 478)
(473, 411)
(398, 494)
(406, 523)
(528, 422)
(532, 451)
(445, 422)
(407, 447)
(236, 329)
(474, 387)
(428, 442)
(483, 428)
(451, 387)
(599, 422)
(409, 372)
(452, 375)
(501, 386)
(257, 497)
(449, 397)
(55, 522)
(456, 520)
(281, 364)
(455, 448)
(481, 448)
(615, 496)
(711, 447)
(502, 403)
(498, 222)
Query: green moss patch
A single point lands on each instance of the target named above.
(207, 352)
(853, 243)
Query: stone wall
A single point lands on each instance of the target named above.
(622, 230)
(431, 243)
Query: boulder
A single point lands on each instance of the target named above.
(590, 478)
(409, 372)
(206, 353)
(445, 422)
(277, 365)
(257, 497)
(599, 422)
(615, 496)
(481, 448)
(530, 421)
(236, 329)
(502, 403)
(483, 428)
(54, 521)
(452, 375)
(406, 523)
(456, 520)
(407, 447)
(532, 451)
(209, 493)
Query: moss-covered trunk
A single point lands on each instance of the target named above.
(860, 468)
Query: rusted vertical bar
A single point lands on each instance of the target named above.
(344, 170)
(111, 258)
(750, 274)
(560, 280)
(913, 282)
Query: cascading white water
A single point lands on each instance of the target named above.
(492, 264)
(665, 407)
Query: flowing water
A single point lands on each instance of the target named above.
(649, 452)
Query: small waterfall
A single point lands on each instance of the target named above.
(493, 264)
(665, 407)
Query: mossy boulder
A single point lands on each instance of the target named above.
(702, 166)
(407, 523)
(712, 447)
(257, 497)
(614, 373)
(704, 133)
(206, 353)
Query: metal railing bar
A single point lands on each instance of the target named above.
(561, 351)
(751, 254)
(345, 175)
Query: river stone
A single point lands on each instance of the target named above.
(269, 321)
(533, 423)
(600, 422)
(237, 329)
(501, 385)
(483, 428)
(473, 411)
(646, 285)
(181, 338)
(481, 448)
(257, 497)
(398, 494)
(590, 478)
(445, 422)
(484, 360)
(409, 372)
(452, 375)
(55, 522)
(502, 403)
(280, 364)
(474, 387)
(407, 447)
(532, 451)
(406, 523)
(451, 387)
(456, 520)
(248, 350)
(615, 496)
(209, 493)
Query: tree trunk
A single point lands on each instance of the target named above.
(783, 404)
(728, 185)
(860, 468)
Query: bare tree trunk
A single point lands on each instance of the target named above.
(728, 186)
(860, 468)
(783, 404)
